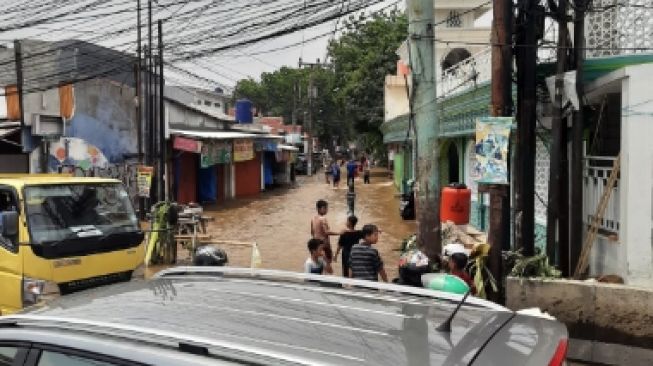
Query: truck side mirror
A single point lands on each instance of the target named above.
(9, 223)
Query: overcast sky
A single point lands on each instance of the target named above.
(224, 68)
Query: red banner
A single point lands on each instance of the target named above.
(184, 144)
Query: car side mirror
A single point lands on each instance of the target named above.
(9, 223)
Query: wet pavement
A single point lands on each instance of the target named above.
(279, 221)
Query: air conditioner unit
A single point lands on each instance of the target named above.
(46, 125)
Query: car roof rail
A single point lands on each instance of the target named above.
(191, 344)
(268, 274)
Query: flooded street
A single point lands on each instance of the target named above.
(279, 221)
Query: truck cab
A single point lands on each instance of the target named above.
(60, 234)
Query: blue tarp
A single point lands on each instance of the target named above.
(267, 168)
(208, 184)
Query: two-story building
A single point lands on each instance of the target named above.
(619, 116)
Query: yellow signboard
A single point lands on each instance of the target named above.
(243, 150)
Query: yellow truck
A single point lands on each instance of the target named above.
(60, 234)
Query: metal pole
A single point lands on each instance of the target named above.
(18, 58)
(526, 126)
(139, 101)
(309, 125)
(501, 106)
(563, 214)
(155, 125)
(150, 102)
(576, 232)
(557, 135)
(162, 127)
(420, 36)
(146, 108)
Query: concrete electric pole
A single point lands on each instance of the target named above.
(311, 94)
(502, 106)
(421, 39)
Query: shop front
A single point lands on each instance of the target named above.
(205, 165)
(248, 168)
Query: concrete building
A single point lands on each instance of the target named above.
(459, 40)
(619, 113)
(79, 110)
(215, 159)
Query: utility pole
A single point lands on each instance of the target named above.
(309, 126)
(150, 103)
(553, 213)
(163, 158)
(499, 232)
(527, 36)
(576, 231)
(421, 34)
(139, 101)
(311, 94)
(294, 123)
(18, 58)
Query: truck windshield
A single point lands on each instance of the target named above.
(58, 213)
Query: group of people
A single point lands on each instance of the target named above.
(332, 171)
(360, 260)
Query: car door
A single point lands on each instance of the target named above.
(11, 262)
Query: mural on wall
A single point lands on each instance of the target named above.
(71, 151)
(492, 138)
(76, 156)
(105, 117)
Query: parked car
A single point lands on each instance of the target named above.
(231, 316)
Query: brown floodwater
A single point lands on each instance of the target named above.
(279, 222)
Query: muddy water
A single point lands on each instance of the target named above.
(279, 222)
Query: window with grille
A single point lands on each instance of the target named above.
(454, 20)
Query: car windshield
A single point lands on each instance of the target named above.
(60, 212)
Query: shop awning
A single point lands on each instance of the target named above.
(222, 135)
(214, 135)
(287, 148)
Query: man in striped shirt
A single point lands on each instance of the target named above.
(364, 260)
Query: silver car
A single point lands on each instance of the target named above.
(231, 316)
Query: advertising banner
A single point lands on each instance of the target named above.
(184, 144)
(265, 145)
(243, 150)
(215, 153)
(492, 139)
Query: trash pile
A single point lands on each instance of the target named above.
(467, 235)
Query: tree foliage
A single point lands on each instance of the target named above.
(349, 102)
(280, 91)
(362, 56)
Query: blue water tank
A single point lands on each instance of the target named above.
(244, 111)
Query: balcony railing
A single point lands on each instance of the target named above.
(595, 180)
(465, 74)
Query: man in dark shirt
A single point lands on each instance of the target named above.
(347, 240)
(365, 261)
